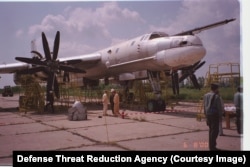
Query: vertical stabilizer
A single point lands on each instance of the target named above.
(33, 48)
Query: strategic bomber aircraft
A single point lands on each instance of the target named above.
(143, 57)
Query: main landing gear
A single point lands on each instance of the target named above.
(156, 104)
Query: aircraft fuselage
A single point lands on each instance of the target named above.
(151, 52)
(143, 53)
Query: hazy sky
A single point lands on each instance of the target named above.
(89, 26)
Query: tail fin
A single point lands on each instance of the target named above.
(33, 48)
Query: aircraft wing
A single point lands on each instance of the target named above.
(198, 30)
(13, 67)
(82, 61)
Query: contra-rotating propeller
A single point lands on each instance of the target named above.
(186, 72)
(189, 72)
(50, 66)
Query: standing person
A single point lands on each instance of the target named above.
(238, 98)
(220, 125)
(116, 104)
(213, 111)
(105, 102)
(111, 100)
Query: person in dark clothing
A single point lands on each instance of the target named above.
(213, 111)
(238, 97)
(111, 100)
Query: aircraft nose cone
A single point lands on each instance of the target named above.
(192, 40)
(195, 52)
(195, 40)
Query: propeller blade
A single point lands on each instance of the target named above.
(30, 61)
(194, 81)
(71, 69)
(50, 82)
(37, 53)
(56, 45)
(175, 83)
(31, 70)
(177, 87)
(56, 88)
(188, 71)
(199, 65)
(184, 76)
(46, 47)
(71, 62)
(195, 64)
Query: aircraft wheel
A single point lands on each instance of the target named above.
(161, 105)
(151, 105)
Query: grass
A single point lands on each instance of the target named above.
(186, 94)
(189, 94)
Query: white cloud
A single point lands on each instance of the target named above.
(19, 33)
(85, 30)
(84, 27)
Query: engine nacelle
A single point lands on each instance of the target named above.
(17, 78)
(90, 82)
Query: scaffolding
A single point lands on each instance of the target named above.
(70, 91)
(74, 90)
(141, 92)
(137, 96)
(31, 95)
(225, 74)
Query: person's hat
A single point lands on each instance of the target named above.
(112, 90)
(214, 86)
(239, 88)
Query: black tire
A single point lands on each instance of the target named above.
(161, 105)
(156, 105)
(151, 105)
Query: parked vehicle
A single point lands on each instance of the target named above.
(7, 91)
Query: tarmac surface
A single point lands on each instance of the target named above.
(169, 130)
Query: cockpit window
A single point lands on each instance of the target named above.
(142, 38)
(132, 43)
(157, 35)
(116, 51)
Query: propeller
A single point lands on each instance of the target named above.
(186, 72)
(175, 82)
(50, 65)
(189, 72)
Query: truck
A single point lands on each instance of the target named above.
(7, 91)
